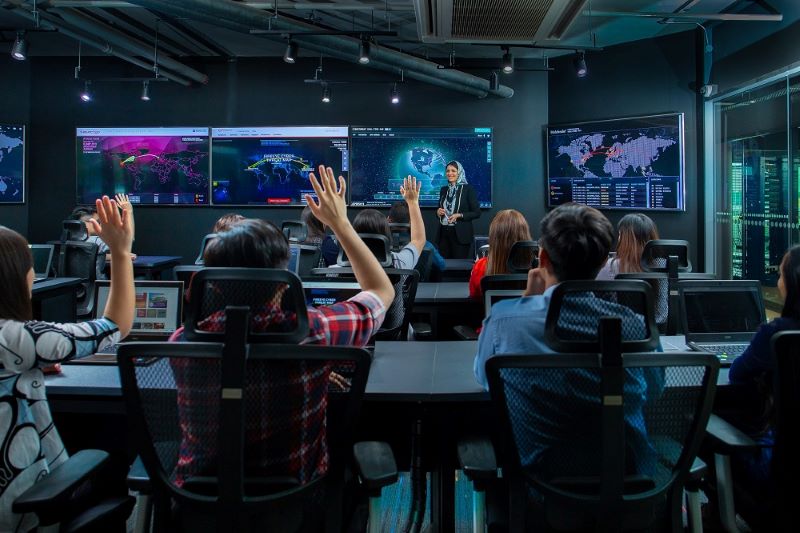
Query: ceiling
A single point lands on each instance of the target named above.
(184, 31)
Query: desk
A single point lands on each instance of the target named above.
(457, 269)
(151, 266)
(447, 298)
(54, 299)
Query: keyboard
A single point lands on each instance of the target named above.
(726, 352)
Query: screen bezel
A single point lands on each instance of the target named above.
(383, 206)
(98, 313)
(682, 156)
(24, 184)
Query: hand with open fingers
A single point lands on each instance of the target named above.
(123, 202)
(330, 206)
(113, 226)
(410, 189)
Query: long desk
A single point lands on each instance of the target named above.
(152, 266)
(54, 299)
(457, 269)
(447, 298)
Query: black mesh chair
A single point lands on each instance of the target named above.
(770, 507)
(203, 245)
(295, 230)
(240, 428)
(308, 259)
(401, 235)
(79, 259)
(523, 256)
(73, 230)
(378, 244)
(603, 434)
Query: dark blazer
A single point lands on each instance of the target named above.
(467, 205)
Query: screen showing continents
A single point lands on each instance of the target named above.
(152, 165)
(634, 163)
(12, 164)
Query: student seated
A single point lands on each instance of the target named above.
(225, 222)
(399, 214)
(29, 444)
(255, 243)
(87, 213)
(507, 227)
(317, 236)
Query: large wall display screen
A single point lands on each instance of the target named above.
(154, 166)
(12, 164)
(382, 157)
(270, 165)
(631, 163)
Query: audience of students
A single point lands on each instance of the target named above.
(29, 443)
(399, 214)
(507, 227)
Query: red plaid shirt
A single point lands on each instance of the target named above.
(285, 404)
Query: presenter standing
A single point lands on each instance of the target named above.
(458, 207)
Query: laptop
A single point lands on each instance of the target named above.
(42, 260)
(721, 317)
(157, 315)
(329, 292)
(492, 297)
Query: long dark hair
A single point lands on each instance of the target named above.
(15, 263)
(790, 271)
(315, 228)
(635, 229)
(251, 243)
(372, 221)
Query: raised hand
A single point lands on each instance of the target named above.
(330, 206)
(113, 226)
(410, 189)
(123, 202)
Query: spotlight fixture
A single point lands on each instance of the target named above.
(290, 55)
(326, 94)
(395, 95)
(19, 50)
(86, 94)
(363, 52)
(145, 91)
(508, 61)
(580, 65)
(494, 81)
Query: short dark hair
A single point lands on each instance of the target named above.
(225, 222)
(577, 238)
(372, 221)
(15, 263)
(251, 243)
(398, 213)
(790, 271)
(82, 211)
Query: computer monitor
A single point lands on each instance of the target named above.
(329, 292)
(158, 308)
(270, 165)
(492, 297)
(42, 259)
(154, 166)
(382, 157)
(627, 163)
(12, 164)
(712, 307)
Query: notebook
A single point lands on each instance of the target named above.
(329, 292)
(42, 260)
(492, 297)
(721, 317)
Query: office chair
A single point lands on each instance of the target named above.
(73, 230)
(203, 244)
(295, 230)
(377, 243)
(770, 508)
(401, 235)
(425, 265)
(233, 404)
(80, 259)
(494, 282)
(603, 434)
(482, 252)
(478, 241)
(523, 256)
(308, 260)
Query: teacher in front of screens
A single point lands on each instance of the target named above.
(458, 207)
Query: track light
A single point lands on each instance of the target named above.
(580, 65)
(86, 94)
(395, 95)
(145, 91)
(326, 94)
(508, 61)
(363, 52)
(290, 55)
(19, 50)
(494, 81)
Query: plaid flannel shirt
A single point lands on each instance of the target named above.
(285, 433)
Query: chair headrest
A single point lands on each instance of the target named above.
(656, 253)
(377, 243)
(74, 230)
(295, 230)
(523, 256)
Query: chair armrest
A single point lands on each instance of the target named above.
(57, 486)
(466, 333)
(477, 460)
(725, 438)
(422, 330)
(375, 464)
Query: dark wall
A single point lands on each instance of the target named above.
(640, 78)
(14, 93)
(264, 92)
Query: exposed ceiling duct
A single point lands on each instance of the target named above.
(236, 15)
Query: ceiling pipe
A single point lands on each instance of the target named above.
(52, 23)
(118, 38)
(383, 58)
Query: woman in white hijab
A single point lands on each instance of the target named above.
(458, 207)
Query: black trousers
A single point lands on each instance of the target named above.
(449, 246)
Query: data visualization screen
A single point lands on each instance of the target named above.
(632, 163)
(12, 164)
(154, 166)
(270, 165)
(382, 157)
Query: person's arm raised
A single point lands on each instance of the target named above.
(114, 227)
(330, 209)
(410, 191)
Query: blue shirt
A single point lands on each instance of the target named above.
(550, 412)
